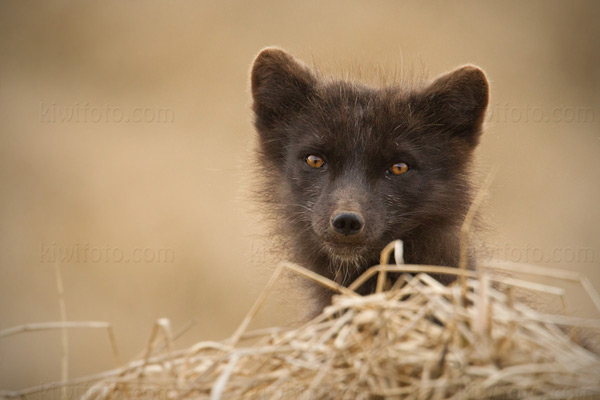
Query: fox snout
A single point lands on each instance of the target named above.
(347, 223)
(344, 216)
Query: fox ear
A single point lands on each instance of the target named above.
(281, 85)
(460, 99)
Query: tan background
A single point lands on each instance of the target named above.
(178, 184)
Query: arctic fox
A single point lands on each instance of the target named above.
(347, 168)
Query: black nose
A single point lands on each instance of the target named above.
(347, 223)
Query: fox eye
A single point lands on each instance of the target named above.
(398, 169)
(314, 161)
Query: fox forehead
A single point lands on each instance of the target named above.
(347, 120)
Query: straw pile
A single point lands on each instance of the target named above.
(417, 340)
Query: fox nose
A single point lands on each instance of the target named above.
(347, 223)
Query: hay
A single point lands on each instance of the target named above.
(417, 340)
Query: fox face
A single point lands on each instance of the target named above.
(348, 168)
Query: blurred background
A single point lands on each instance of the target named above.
(126, 133)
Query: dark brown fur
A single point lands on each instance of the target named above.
(361, 131)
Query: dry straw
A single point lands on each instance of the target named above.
(417, 340)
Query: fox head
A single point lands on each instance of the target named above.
(351, 167)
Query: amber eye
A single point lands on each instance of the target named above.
(314, 161)
(398, 169)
